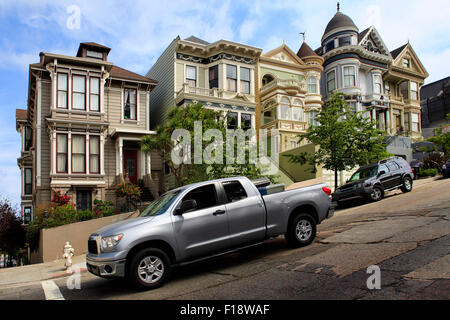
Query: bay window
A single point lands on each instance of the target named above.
(26, 215)
(349, 76)
(377, 85)
(214, 77)
(62, 85)
(331, 81)
(312, 85)
(312, 118)
(231, 78)
(78, 92)
(28, 181)
(94, 154)
(78, 154)
(94, 93)
(61, 153)
(414, 95)
(245, 80)
(285, 109)
(415, 122)
(129, 112)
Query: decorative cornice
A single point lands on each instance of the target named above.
(224, 56)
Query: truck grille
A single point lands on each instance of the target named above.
(92, 247)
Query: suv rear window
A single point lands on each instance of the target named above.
(234, 191)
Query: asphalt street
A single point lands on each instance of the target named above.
(405, 236)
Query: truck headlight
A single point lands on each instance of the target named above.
(112, 241)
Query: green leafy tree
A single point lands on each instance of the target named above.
(442, 138)
(345, 139)
(197, 170)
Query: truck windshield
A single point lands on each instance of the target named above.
(160, 205)
(364, 173)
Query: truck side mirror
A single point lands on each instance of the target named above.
(186, 205)
(381, 173)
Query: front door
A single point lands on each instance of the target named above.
(130, 164)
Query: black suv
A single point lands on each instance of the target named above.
(373, 180)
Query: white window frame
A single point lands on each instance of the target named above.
(312, 81)
(344, 75)
(123, 104)
(335, 86)
(374, 83)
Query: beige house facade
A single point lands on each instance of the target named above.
(81, 130)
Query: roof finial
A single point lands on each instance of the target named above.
(303, 35)
(338, 6)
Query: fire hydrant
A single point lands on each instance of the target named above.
(68, 254)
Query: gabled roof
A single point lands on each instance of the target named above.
(120, 73)
(397, 51)
(197, 40)
(21, 114)
(362, 34)
(306, 51)
(284, 48)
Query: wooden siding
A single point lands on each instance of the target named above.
(162, 97)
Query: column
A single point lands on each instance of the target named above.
(388, 122)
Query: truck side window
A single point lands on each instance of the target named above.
(205, 196)
(392, 166)
(234, 191)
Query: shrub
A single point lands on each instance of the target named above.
(128, 190)
(428, 172)
(434, 161)
(84, 215)
(103, 209)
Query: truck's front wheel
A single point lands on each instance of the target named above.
(301, 231)
(149, 268)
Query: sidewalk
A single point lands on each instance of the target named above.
(39, 272)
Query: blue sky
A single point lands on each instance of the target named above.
(138, 32)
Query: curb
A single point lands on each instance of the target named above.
(65, 274)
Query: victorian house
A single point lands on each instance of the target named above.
(220, 75)
(382, 84)
(289, 95)
(81, 130)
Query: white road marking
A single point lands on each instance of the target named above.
(51, 290)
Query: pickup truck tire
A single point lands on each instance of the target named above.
(149, 268)
(407, 185)
(301, 231)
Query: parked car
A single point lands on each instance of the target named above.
(203, 220)
(446, 169)
(372, 181)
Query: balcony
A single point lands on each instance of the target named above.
(291, 86)
(195, 92)
(396, 99)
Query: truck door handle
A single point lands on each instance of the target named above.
(219, 212)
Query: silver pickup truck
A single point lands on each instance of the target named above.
(203, 220)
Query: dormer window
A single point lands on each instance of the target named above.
(329, 46)
(345, 41)
(94, 54)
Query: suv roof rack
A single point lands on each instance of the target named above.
(390, 158)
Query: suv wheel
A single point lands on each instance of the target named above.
(301, 231)
(377, 193)
(407, 184)
(149, 268)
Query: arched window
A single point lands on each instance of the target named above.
(297, 110)
(267, 79)
(285, 109)
(312, 85)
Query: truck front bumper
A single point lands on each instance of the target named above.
(105, 268)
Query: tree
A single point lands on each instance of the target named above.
(345, 139)
(194, 170)
(442, 138)
(12, 233)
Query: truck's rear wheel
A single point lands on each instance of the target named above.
(301, 231)
(149, 268)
